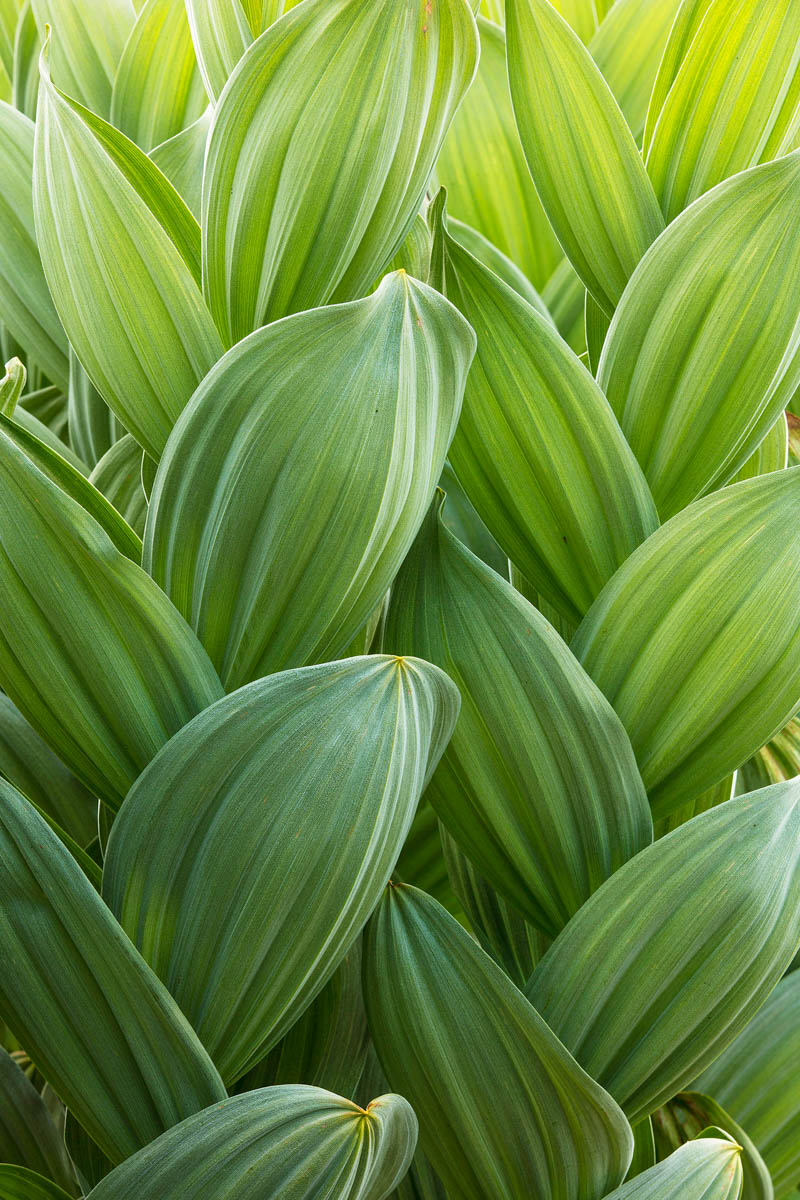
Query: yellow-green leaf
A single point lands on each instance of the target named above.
(88, 40)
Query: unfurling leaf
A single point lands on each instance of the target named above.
(707, 1169)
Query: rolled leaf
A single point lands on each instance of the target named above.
(224, 928)
(96, 658)
(658, 972)
(695, 639)
(122, 287)
(27, 48)
(93, 428)
(533, 417)
(281, 1142)
(99, 1025)
(756, 1080)
(504, 1111)
(686, 1117)
(88, 44)
(707, 1169)
(354, 405)
(705, 345)
(538, 785)
(591, 181)
(118, 475)
(295, 211)
(223, 29)
(28, 1137)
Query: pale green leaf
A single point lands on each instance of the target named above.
(591, 179)
(504, 1110)
(771, 455)
(9, 14)
(96, 1021)
(488, 254)
(222, 30)
(687, 22)
(181, 159)
(321, 149)
(93, 428)
(257, 769)
(708, 1169)
(12, 385)
(352, 404)
(88, 40)
(27, 48)
(688, 1115)
(659, 971)
(565, 298)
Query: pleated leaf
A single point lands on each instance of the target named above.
(695, 639)
(122, 287)
(321, 768)
(671, 957)
(223, 29)
(504, 1111)
(354, 405)
(99, 1025)
(778, 760)
(93, 428)
(88, 41)
(484, 170)
(533, 417)
(591, 179)
(28, 1137)
(733, 102)
(96, 657)
(181, 159)
(118, 475)
(707, 1169)
(756, 1080)
(771, 455)
(538, 785)
(281, 1142)
(19, 1183)
(684, 29)
(321, 149)
(704, 349)
(25, 302)
(27, 48)
(687, 1116)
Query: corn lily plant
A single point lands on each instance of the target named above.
(400, 594)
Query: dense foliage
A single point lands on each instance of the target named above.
(400, 590)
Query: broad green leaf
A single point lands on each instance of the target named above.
(328, 1046)
(591, 179)
(704, 348)
(687, 22)
(488, 254)
(686, 1117)
(27, 48)
(96, 658)
(354, 404)
(695, 639)
(93, 428)
(756, 1080)
(61, 471)
(118, 475)
(257, 768)
(96, 1021)
(158, 89)
(222, 30)
(87, 864)
(533, 417)
(538, 785)
(28, 1137)
(19, 1183)
(565, 298)
(25, 303)
(88, 41)
(284, 1143)
(504, 1110)
(734, 102)
(628, 48)
(181, 159)
(707, 1169)
(29, 763)
(461, 519)
(658, 971)
(123, 288)
(321, 149)
(484, 170)
(12, 386)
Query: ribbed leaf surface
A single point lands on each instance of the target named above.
(88, 44)
(222, 30)
(708, 1169)
(28, 1137)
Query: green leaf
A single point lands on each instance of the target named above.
(181, 159)
(708, 1169)
(18, 1183)
(484, 170)
(644, 1149)
(9, 12)
(488, 254)
(295, 213)
(538, 785)
(12, 385)
(28, 1137)
(658, 971)
(583, 15)
(93, 428)
(27, 48)
(756, 1080)
(257, 769)
(591, 179)
(96, 1021)
(29, 763)
(123, 288)
(686, 1117)
(771, 455)
(462, 520)
(222, 30)
(777, 761)
(88, 40)
(354, 404)
(695, 639)
(533, 417)
(414, 255)
(565, 298)
(24, 299)
(281, 1142)
(704, 350)
(517, 1118)
(118, 475)
(96, 658)
(158, 89)
(733, 102)
(720, 793)
(684, 29)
